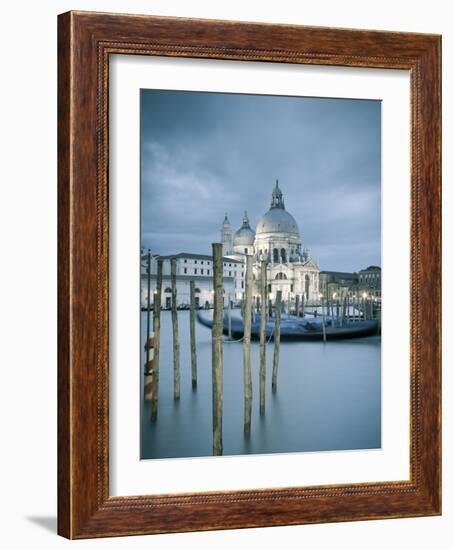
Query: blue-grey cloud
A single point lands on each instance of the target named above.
(204, 154)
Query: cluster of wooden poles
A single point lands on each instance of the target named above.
(362, 309)
(152, 343)
(342, 312)
(217, 343)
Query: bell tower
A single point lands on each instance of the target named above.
(226, 236)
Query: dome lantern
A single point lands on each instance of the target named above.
(277, 220)
(277, 197)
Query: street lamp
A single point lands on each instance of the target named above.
(365, 305)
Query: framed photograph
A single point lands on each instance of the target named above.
(249, 275)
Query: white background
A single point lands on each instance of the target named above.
(28, 270)
(131, 476)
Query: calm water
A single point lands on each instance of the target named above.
(328, 398)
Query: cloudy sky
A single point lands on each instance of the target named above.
(205, 154)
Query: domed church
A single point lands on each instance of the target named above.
(276, 240)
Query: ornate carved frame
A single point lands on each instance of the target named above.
(86, 41)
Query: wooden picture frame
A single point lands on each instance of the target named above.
(85, 42)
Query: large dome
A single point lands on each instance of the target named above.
(244, 236)
(277, 219)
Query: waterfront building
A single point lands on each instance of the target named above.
(370, 281)
(192, 267)
(277, 240)
(338, 284)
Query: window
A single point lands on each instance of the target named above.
(195, 261)
(275, 255)
(242, 284)
(168, 289)
(202, 261)
(185, 270)
(229, 265)
(281, 276)
(202, 270)
(292, 288)
(283, 255)
(229, 273)
(209, 272)
(185, 261)
(197, 291)
(195, 271)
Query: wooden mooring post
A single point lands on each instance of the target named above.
(217, 350)
(193, 339)
(246, 343)
(263, 322)
(229, 318)
(156, 327)
(174, 321)
(148, 302)
(297, 305)
(149, 382)
(278, 316)
(149, 371)
(303, 306)
(323, 322)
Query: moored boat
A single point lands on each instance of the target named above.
(297, 328)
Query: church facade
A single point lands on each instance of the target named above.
(277, 240)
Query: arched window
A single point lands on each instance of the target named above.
(197, 291)
(275, 255)
(283, 255)
(168, 289)
(281, 276)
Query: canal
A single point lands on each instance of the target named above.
(328, 398)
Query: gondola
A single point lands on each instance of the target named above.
(297, 328)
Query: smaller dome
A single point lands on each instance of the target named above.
(245, 236)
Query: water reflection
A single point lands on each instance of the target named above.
(328, 398)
